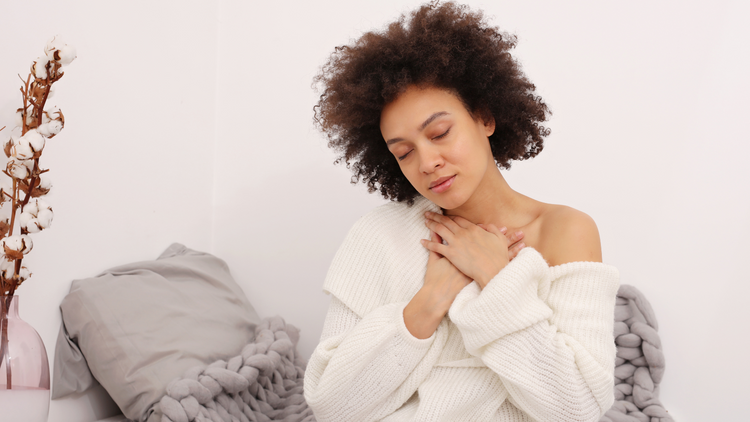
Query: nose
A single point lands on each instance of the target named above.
(430, 159)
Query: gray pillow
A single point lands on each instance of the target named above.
(137, 327)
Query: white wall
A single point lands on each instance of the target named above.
(215, 102)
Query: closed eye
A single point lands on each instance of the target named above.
(443, 135)
(404, 156)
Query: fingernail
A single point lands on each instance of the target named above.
(521, 245)
(519, 233)
(503, 230)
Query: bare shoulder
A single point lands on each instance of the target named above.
(568, 235)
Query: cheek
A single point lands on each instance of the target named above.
(461, 153)
(412, 174)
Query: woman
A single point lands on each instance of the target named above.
(430, 320)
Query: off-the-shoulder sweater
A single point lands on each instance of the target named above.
(536, 344)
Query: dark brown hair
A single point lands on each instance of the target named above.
(441, 45)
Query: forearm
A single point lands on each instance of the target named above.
(550, 376)
(367, 369)
(424, 313)
(549, 341)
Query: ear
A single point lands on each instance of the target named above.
(489, 125)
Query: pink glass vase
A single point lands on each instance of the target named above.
(24, 369)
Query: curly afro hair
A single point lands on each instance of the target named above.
(441, 45)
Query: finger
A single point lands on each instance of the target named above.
(462, 222)
(440, 229)
(434, 247)
(497, 232)
(444, 220)
(502, 230)
(434, 237)
(515, 237)
(514, 250)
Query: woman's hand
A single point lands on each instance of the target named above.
(442, 283)
(479, 251)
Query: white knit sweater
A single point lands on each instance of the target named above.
(535, 344)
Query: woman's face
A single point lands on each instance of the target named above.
(443, 152)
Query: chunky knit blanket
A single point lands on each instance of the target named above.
(640, 361)
(264, 382)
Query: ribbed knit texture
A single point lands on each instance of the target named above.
(535, 344)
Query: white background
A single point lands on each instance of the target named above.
(191, 121)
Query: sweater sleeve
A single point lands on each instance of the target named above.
(366, 368)
(547, 333)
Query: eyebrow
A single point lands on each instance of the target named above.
(421, 127)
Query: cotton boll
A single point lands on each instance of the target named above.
(44, 218)
(28, 245)
(51, 91)
(53, 115)
(55, 127)
(24, 218)
(35, 206)
(35, 139)
(41, 204)
(21, 149)
(24, 274)
(22, 244)
(56, 43)
(28, 223)
(45, 182)
(43, 129)
(67, 55)
(32, 226)
(19, 117)
(29, 115)
(14, 243)
(40, 67)
(31, 209)
(50, 129)
(59, 51)
(7, 267)
(29, 165)
(17, 169)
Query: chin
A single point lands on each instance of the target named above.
(446, 202)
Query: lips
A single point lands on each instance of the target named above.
(442, 183)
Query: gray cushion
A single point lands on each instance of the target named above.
(137, 327)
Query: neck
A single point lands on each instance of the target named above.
(494, 202)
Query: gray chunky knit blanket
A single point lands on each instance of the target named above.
(264, 382)
(639, 367)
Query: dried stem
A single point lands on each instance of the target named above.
(25, 92)
(14, 201)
